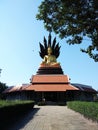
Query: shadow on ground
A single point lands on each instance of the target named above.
(20, 121)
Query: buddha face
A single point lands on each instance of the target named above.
(49, 50)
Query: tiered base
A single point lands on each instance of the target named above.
(49, 70)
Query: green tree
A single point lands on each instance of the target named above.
(0, 71)
(2, 87)
(74, 20)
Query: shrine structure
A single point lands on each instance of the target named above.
(50, 82)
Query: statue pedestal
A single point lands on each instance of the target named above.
(48, 69)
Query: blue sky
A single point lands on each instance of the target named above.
(20, 34)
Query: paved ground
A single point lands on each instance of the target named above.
(55, 118)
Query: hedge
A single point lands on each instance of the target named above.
(88, 109)
(11, 110)
(6, 103)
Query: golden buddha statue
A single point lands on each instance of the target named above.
(50, 60)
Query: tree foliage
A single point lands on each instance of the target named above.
(74, 20)
(2, 87)
(0, 71)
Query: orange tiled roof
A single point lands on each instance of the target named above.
(50, 79)
(15, 88)
(46, 83)
(52, 87)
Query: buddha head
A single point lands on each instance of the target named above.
(49, 50)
